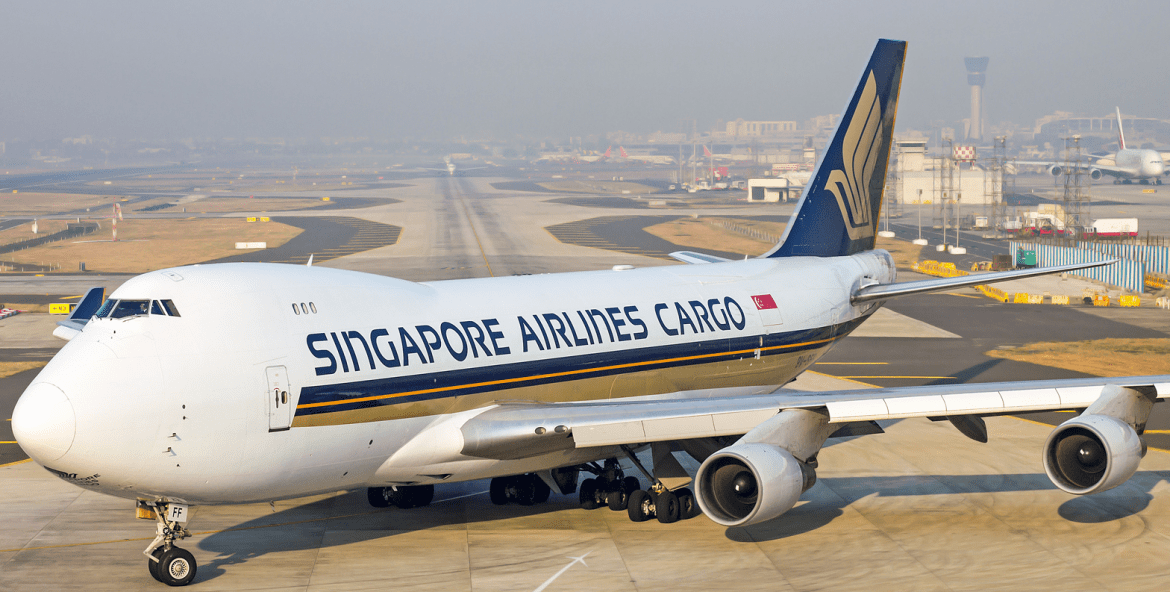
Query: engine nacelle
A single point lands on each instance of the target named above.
(749, 483)
(1092, 453)
(1095, 174)
(1055, 170)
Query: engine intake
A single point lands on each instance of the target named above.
(746, 484)
(1055, 170)
(1092, 453)
(1095, 174)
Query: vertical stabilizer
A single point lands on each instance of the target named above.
(840, 207)
(1120, 132)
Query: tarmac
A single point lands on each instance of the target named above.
(919, 507)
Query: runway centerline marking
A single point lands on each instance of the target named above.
(467, 214)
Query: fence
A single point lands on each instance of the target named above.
(1126, 274)
(1156, 257)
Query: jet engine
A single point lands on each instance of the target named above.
(1095, 174)
(1055, 170)
(749, 483)
(1092, 453)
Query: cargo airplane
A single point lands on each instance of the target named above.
(249, 382)
(1129, 164)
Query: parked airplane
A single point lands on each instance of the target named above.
(1130, 164)
(594, 157)
(646, 158)
(246, 382)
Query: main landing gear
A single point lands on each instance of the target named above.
(166, 562)
(620, 492)
(403, 496)
(526, 490)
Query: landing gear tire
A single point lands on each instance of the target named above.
(631, 484)
(152, 566)
(587, 495)
(542, 490)
(617, 500)
(176, 567)
(498, 490)
(410, 496)
(526, 489)
(687, 508)
(666, 506)
(638, 506)
(377, 497)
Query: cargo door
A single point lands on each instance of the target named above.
(280, 403)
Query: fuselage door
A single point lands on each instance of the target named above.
(280, 403)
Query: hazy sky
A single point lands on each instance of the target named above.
(440, 69)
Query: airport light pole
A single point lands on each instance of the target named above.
(919, 240)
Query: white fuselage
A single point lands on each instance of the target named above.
(380, 377)
(1140, 164)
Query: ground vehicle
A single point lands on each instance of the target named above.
(1113, 228)
(973, 222)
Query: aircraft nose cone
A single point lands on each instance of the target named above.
(44, 423)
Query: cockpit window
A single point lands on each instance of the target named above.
(119, 309)
(130, 308)
(105, 309)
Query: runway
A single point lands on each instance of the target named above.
(920, 507)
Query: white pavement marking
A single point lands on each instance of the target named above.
(458, 497)
(563, 570)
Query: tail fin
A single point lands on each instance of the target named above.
(706, 152)
(1120, 132)
(607, 152)
(623, 152)
(838, 213)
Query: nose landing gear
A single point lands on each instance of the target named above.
(167, 563)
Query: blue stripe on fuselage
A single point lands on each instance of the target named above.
(349, 396)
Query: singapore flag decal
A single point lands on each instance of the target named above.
(769, 312)
(764, 301)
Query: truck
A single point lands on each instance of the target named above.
(1113, 228)
(973, 222)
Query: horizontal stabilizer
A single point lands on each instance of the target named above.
(82, 313)
(884, 291)
(693, 257)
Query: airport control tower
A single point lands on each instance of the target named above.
(976, 76)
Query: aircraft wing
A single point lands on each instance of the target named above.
(694, 257)
(1113, 170)
(520, 430)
